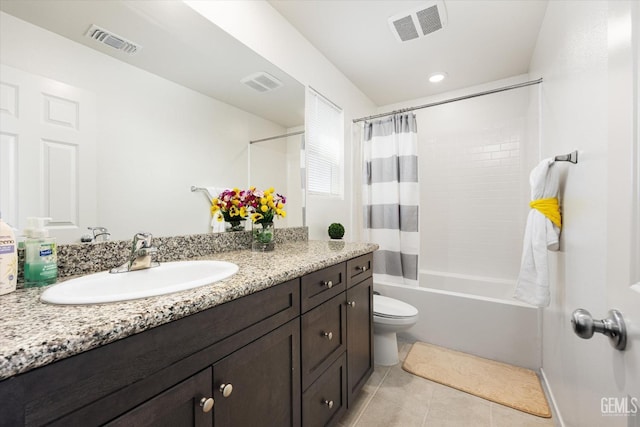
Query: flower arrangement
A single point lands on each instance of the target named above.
(230, 206)
(264, 205)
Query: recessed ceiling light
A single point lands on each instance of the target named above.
(437, 77)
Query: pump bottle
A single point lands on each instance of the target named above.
(41, 257)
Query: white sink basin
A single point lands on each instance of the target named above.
(167, 278)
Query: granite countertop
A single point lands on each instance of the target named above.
(35, 334)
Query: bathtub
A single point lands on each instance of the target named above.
(472, 314)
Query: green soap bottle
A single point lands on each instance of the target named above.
(41, 255)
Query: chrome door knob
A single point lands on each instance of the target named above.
(328, 284)
(329, 403)
(613, 327)
(328, 335)
(206, 403)
(226, 389)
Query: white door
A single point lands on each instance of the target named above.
(623, 206)
(47, 153)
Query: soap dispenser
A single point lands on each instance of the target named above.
(41, 258)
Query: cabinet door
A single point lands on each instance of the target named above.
(359, 336)
(181, 405)
(261, 382)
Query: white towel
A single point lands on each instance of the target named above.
(540, 235)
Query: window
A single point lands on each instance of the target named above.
(324, 145)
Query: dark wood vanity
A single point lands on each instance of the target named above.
(294, 354)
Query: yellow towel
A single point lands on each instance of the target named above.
(549, 208)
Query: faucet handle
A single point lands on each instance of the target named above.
(143, 238)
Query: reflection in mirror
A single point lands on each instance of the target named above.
(124, 137)
(278, 162)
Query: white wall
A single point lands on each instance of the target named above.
(474, 160)
(575, 54)
(155, 138)
(263, 29)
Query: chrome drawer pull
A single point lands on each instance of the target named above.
(328, 284)
(226, 389)
(329, 403)
(363, 268)
(351, 304)
(206, 404)
(328, 335)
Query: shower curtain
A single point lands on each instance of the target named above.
(391, 197)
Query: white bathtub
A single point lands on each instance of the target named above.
(474, 315)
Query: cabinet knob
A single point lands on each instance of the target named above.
(329, 403)
(328, 335)
(328, 284)
(351, 304)
(226, 389)
(206, 403)
(363, 268)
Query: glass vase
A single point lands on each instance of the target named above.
(263, 237)
(233, 226)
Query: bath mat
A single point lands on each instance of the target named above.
(508, 385)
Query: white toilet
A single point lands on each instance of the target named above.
(390, 316)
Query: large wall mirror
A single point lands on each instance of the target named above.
(112, 110)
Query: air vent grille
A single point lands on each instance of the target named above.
(110, 39)
(418, 22)
(262, 82)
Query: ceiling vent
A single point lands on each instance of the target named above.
(418, 22)
(103, 36)
(262, 82)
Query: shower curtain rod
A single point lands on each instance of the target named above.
(277, 137)
(447, 101)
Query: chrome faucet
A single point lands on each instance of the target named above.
(140, 256)
(100, 234)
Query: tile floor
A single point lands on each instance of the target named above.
(395, 398)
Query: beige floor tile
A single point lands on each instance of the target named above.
(376, 378)
(353, 413)
(386, 410)
(453, 408)
(502, 416)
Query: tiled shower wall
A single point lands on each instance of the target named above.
(475, 157)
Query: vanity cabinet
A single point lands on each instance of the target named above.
(337, 338)
(294, 354)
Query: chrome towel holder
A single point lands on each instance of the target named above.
(571, 157)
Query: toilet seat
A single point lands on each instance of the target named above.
(391, 308)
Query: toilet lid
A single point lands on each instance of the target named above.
(389, 307)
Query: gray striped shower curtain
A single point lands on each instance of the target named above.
(391, 196)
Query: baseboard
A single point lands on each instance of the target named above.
(558, 421)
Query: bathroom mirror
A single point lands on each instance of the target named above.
(125, 133)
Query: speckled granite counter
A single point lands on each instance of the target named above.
(36, 334)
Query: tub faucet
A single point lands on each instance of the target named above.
(140, 256)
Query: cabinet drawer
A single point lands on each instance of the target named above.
(323, 337)
(325, 401)
(359, 269)
(319, 286)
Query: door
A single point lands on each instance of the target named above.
(187, 404)
(47, 153)
(359, 336)
(259, 385)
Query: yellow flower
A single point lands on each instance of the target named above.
(280, 205)
(263, 201)
(214, 209)
(271, 204)
(243, 212)
(283, 214)
(256, 216)
(270, 197)
(236, 190)
(234, 211)
(215, 201)
(235, 202)
(271, 190)
(219, 218)
(263, 208)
